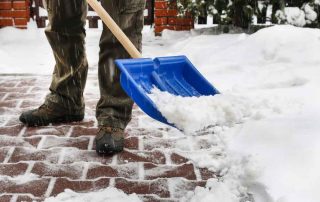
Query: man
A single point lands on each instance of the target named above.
(65, 102)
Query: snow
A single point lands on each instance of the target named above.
(262, 132)
(43, 12)
(17, 57)
(20, 179)
(295, 16)
(108, 194)
(91, 13)
(214, 191)
(272, 156)
(219, 110)
(311, 15)
(288, 154)
(221, 192)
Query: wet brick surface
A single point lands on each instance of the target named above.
(58, 157)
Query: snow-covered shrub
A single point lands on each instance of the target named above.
(242, 12)
(194, 7)
(312, 12)
(224, 12)
(294, 16)
(280, 17)
(276, 6)
(307, 15)
(219, 9)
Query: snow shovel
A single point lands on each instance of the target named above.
(175, 74)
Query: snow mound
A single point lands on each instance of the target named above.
(214, 191)
(109, 194)
(239, 174)
(261, 75)
(283, 44)
(242, 61)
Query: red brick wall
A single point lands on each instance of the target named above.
(166, 17)
(14, 13)
(17, 13)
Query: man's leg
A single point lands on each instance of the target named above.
(114, 107)
(65, 34)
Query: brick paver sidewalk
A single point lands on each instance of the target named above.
(40, 162)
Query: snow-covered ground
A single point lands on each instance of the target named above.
(263, 130)
(110, 194)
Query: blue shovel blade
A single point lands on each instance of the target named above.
(175, 74)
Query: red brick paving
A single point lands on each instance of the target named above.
(62, 156)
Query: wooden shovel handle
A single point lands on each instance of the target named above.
(115, 29)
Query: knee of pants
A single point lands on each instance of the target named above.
(129, 15)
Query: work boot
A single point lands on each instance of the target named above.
(109, 140)
(45, 115)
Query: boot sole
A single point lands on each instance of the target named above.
(109, 150)
(65, 119)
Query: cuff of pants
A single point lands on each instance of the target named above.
(64, 107)
(112, 122)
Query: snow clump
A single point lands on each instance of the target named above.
(109, 194)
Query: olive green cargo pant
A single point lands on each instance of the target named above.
(66, 35)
